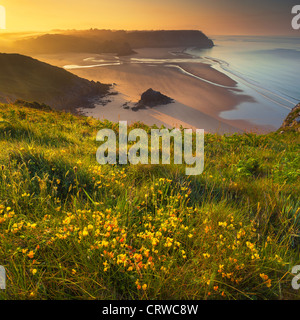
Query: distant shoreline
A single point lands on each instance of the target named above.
(200, 92)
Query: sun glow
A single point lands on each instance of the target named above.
(2, 17)
(211, 17)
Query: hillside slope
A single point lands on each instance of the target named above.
(25, 78)
(292, 121)
(72, 229)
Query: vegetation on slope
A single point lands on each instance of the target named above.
(292, 121)
(70, 228)
(26, 78)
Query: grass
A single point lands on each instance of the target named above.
(72, 229)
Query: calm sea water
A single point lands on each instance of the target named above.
(267, 68)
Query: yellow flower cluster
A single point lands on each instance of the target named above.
(266, 280)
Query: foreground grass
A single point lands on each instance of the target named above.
(70, 228)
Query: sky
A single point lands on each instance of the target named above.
(213, 17)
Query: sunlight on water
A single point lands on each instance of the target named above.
(269, 62)
(265, 68)
(74, 66)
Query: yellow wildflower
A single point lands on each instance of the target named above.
(30, 254)
(85, 232)
(264, 276)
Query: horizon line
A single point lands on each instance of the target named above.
(5, 31)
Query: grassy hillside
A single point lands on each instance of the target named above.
(70, 228)
(23, 77)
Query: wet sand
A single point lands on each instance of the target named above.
(200, 92)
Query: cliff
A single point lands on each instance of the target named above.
(171, 38)
(292, 121)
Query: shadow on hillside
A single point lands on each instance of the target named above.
(9, 131)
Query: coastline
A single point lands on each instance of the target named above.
(199, 97)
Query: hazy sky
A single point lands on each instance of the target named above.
(210, 16)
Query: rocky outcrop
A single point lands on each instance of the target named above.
(152, 98)
(292, 121)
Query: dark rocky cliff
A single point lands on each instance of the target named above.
(292, 121)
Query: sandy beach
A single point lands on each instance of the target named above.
(200, 92)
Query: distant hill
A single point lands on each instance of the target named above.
(172, 38)
(25, 78)
(108, 41)
(58, 43)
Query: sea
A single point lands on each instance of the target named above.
(266, 68)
